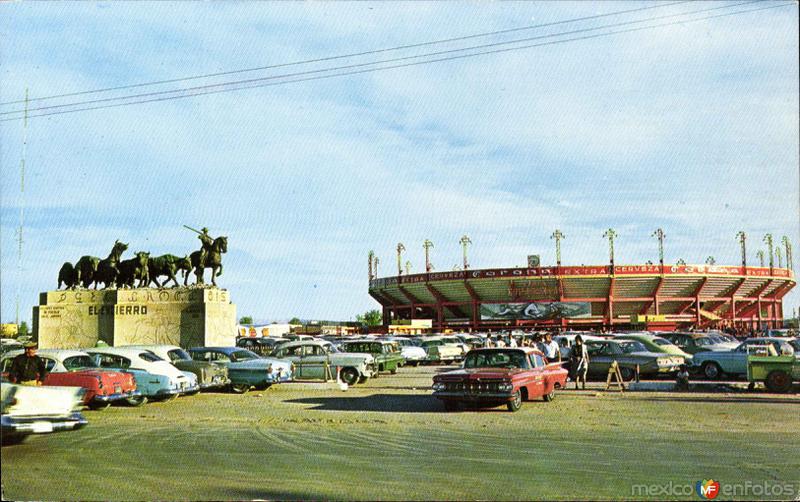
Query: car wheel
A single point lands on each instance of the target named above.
(451, 406)
(415, 364)
(239, 388)
(136, 401)
(778, 381)
(516, 401)
(393, 371)
(98, 405)
(349, 376)
(711, 370)
(627, 374)
(551, 396)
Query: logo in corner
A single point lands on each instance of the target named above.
(707, 489)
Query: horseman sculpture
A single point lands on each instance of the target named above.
(209, 255)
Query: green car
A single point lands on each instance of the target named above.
(387, 354)
(655, 343)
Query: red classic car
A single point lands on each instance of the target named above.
(491, 377)
(73, 368)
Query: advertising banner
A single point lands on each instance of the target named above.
(536, 311)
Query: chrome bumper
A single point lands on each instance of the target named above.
(116, 397)
(41, 425)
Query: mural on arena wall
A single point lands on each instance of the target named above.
(535, 311)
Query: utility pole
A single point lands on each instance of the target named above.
(660, 234)
(557, 235)
(377, 260)
(610, 233)
(21, 204)
(760, 254)
(742, 238)
(400, 249)
(371, 258)
(408, 267)
(427, 245)
(768, 242)
(464, 243)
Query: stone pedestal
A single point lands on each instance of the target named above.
(188, 317)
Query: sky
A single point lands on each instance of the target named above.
(691, 127)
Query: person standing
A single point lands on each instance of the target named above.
(579, 358)
(28, 368)
(551, 349)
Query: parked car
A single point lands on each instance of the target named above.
(472, 341)
(73, 368)
(628, 354)
(155, 378)
(261, 345)
(9, 344)
(30, 410)
(311, 357)
(692, 343)
(438, 350)
(713, 365)
(209, 376)
(387, 354)
(491, 377)
(412, 353)
(655, 343)
(245, 369)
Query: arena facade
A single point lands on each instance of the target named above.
(653, 297)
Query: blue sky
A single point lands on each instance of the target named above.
(691, 127)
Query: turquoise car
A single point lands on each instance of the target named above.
(246, 369)
(713, 365)
(655, 343)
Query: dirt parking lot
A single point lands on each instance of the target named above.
(389, 439)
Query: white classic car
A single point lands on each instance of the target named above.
(311, 358)
(155, 377)
(413, 354)
(209, 375)
(30, 410)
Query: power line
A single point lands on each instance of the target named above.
(355, 54)
(257, 83)
(361, 65)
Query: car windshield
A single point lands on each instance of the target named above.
(79, 362)
(243, 355)
(705, 340)
(149, 357)
(629, 347)
(179, 355)
(496, 359)
(661, 341)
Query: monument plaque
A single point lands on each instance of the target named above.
(187, 317)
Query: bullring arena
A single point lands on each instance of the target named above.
(648, 296)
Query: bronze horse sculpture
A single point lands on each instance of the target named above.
(108, 269)
(213, 260)
(91, 269)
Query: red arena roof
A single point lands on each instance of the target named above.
(657, 297)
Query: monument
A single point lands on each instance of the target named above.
(128, 311)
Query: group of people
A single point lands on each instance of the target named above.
(544, 343)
